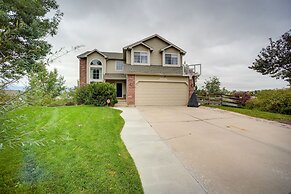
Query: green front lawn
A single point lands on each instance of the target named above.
(79, 151)
(256, 113)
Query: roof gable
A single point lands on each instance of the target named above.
(154, 36)
(90, 52)
(170, 46)
(106, 55)
(141, 43)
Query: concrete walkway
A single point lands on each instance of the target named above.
(159, 169)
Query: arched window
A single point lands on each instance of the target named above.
(95, 70)
(96, 62)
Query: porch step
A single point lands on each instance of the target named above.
(121, 103)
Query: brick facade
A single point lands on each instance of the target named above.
(83, 71)
(190, 87)
(130, 98)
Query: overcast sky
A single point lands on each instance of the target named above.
(225, 36)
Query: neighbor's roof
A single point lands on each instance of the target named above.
(107, 55)
(154, 36)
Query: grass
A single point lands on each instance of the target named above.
(80, 151)
(257, 113)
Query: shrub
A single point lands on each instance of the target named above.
(277, 101)
(96, 94)
(67, 98)
(242, 97)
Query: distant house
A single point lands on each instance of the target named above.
(147, 72)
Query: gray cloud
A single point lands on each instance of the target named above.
(224, 35)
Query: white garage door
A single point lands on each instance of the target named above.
(161, 93)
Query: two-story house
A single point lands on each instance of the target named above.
(147, 72)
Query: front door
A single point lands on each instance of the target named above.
(118, 90)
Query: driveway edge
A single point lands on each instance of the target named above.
(160, 171)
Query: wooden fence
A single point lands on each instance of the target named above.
(220, 99)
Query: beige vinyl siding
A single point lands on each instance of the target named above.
(140, 48)
(111, 67)
(172, 50)
(156, 57)
(157, 44)
(91, 57)
(128, 57)
(160, 90)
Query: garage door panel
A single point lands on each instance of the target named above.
(161, 93)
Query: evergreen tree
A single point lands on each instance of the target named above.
(275, 59)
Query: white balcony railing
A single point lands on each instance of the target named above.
(192, 70)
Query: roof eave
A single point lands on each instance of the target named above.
(181, 50)
(89, 53)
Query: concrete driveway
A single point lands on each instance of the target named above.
(226, 152)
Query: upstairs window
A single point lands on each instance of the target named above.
(96, 73)
(171, 59)
(96, 62)
(141, 57)
(119, 66)
(95, 70)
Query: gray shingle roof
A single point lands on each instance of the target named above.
(109, 55)
(113, 55)
(114, 76)
(152, 70)
(83, 54)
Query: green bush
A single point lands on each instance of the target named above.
(96, 94)
(277, 101)
(67, 98)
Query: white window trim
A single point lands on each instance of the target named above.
(116, 66)
(132, 57)
(89, 71)
(171, 65)
(101, 74)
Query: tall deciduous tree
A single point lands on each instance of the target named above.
(24, 25)
(212, 85)
(275, 59)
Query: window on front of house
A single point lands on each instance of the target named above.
(119, 66)
(141, 57)
(96, 62)
(95, 73)
(95, 70)
(171, 59)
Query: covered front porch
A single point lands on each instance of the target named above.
(120, 83)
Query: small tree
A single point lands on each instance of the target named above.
(44, 86)
(212, 85)
(275, 59)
